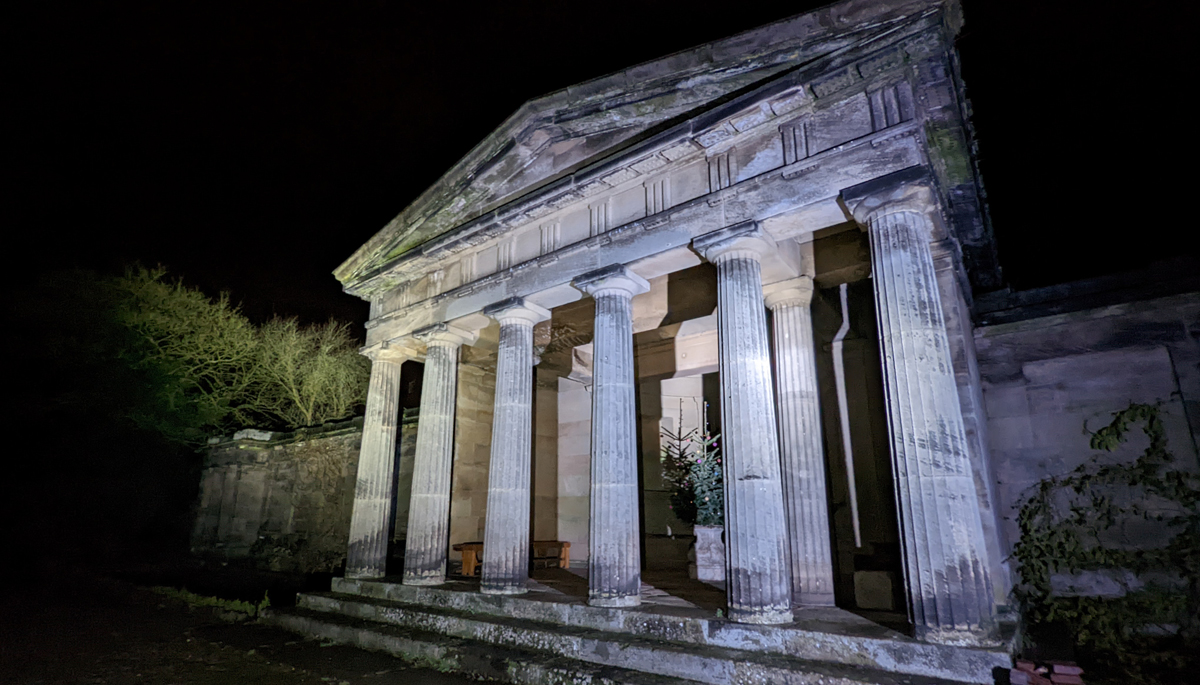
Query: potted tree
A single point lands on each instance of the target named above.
(692, 470)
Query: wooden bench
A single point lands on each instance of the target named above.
(544, 551)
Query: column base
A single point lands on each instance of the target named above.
(761, 616)
(503, 589)
(421, 581)
(814, 599)
(983, 637)
(364, 574)
(617, 602)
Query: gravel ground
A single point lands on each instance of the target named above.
(83, 630)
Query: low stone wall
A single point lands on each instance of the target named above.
(282, 501)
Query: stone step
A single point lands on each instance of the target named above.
(822, 635)
(472, 657)
(622, 650)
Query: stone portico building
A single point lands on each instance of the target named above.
(780, 235)
(613, 244)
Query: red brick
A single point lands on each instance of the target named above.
(1066, 679)
(1027, 666)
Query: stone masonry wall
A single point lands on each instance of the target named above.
(1043, 379)
(282, 501)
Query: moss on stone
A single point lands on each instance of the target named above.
(949, 154)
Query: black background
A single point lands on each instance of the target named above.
(253, 147)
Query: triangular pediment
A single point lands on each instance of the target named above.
(557, 134)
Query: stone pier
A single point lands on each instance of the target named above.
(759, 578)
(614, 576)
(506, 531)
(801, 448)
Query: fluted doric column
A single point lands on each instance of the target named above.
(506, 531)
(429, 507)
(366, 556)
(758, 577)
(802, 453)
(950, 593)
(614, 565)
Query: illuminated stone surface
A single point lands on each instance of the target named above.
(429, 504)
(759, 577)
(945, 558)
(367, 548)
(506, 535)
(801, 449)
(752, 153)
(614, 570)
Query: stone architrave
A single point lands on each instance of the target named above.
(802, 451)
(366, 555)
(945, 560)
(429, 506)
(614, 565)
(759, 578)
(506, 530)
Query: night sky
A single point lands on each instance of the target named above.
(253, 147)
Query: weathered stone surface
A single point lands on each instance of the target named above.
(506, 532)
(823, 642)
(950, 593)
(425, 553)
(367, 549)
(1047, 377)
(709, 553)
(759, 578)
(472, 452)
(801, 447)
(614, 577)
(283, 505)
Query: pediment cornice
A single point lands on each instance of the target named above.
(588, 138)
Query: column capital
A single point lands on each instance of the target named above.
(396, 351)
(446, 334)
(615, 279)
(796, 292)
(516, 310)
(747, 240)
(909, 190)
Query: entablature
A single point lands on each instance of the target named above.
(779, 154)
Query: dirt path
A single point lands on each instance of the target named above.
(113, 633)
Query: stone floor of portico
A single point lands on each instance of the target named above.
(673, 593)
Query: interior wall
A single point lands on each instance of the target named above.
(472, 453)
(574, 464)
(545, 456)
(873, 570)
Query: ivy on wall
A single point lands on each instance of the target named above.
(1148, 630)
